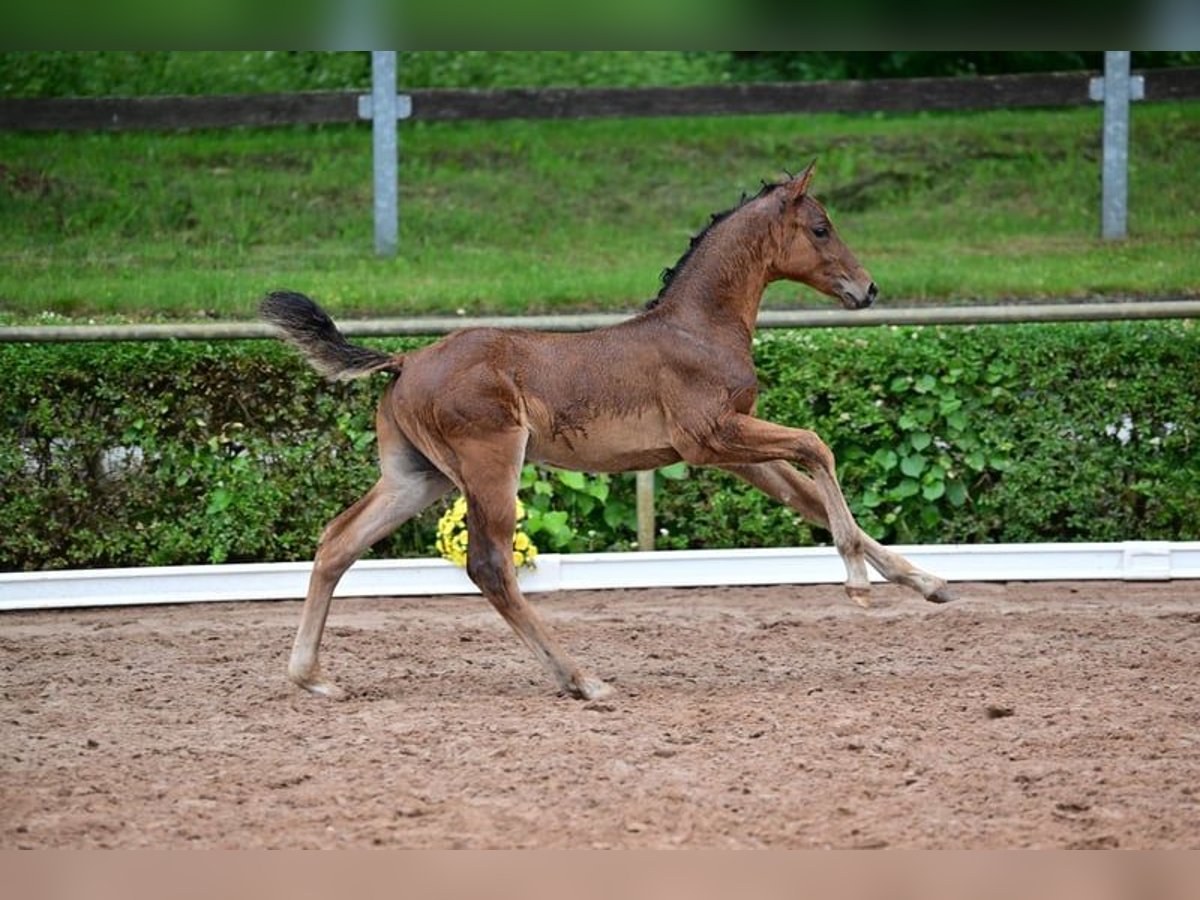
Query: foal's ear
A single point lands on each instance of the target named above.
(798, 186)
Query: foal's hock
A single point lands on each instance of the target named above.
(676, 382)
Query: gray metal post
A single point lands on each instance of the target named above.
(385, 151)
(1115, 194)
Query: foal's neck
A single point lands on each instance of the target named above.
(722, 283)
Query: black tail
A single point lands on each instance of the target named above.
(306, 326)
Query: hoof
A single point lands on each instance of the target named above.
(326, 689)
(861, 596)
(590, 689)
(944, 594)
(321, 688)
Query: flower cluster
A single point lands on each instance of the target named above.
(452, 537)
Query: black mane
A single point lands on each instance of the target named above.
(668, 274)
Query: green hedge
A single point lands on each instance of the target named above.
(173, 453)
(1073, 432)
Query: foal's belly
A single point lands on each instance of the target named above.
(604, 445)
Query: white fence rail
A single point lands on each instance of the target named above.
(1128, 560)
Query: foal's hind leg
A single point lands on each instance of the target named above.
(490, 470)
(407, 485)
(794, 489)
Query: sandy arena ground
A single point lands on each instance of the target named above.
(1026, 715)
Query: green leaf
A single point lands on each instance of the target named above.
(909, 487)
(957, 420)
(574, 480)
(913, 465)
(925, 384)
(956, 493)
(617, 515)
(218, 501)
(674, 472)
(870, 499)
(920, 440)
(552, 523)
(885, 459)
(975, 460)
(934, 491)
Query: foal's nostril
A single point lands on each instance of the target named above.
(872, 293)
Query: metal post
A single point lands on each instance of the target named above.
(385, 151)
(1116, 144)
(1115, 193)
(645, 510)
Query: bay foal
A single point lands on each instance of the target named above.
(676, 382)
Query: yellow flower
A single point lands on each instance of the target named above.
(452, 538)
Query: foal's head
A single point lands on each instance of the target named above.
(810, 250)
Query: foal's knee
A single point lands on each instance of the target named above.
(331, 561)
(485, 567)
(814, 454)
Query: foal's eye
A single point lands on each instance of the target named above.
(820, 231)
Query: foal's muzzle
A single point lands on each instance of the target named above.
(854, 298)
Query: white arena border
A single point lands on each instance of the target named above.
(1121, 561)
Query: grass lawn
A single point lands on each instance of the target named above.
(524, 217)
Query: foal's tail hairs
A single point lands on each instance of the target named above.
(309, 329)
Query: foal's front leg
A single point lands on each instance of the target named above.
(795, 490)
(741, 440)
